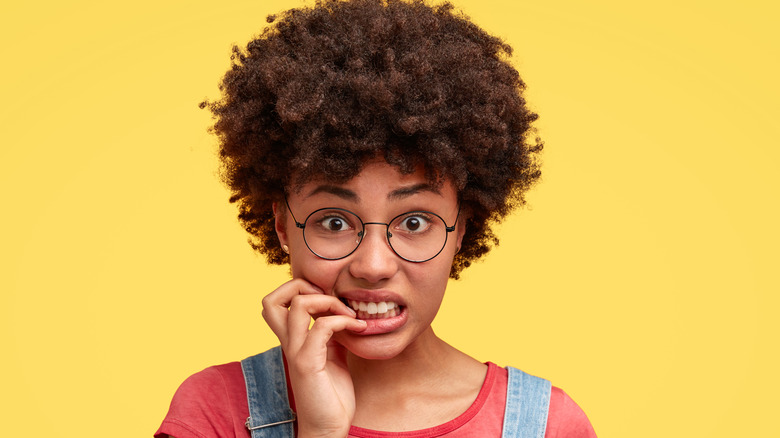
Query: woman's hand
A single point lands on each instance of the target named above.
(321, 384)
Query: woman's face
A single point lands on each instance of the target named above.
(373, 277)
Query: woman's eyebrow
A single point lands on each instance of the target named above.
(349, 195)
(405, 192)
(341, 192)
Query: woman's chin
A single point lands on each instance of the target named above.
(373, 347)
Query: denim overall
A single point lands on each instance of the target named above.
(270, 416)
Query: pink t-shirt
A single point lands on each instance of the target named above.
(213, 403)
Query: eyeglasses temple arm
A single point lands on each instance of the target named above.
(300, 225)
(452, 228)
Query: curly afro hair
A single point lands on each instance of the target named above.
(325, 89)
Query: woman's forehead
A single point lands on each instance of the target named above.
(374, 171)
(377, 179)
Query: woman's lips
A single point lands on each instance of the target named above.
(383, 311)
(377, 326)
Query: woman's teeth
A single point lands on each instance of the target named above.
(369, 310)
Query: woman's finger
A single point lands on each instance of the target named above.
(276, 304)
(304, 307)
(315, 344)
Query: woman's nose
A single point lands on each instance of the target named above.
(374, 259)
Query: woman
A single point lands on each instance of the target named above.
(370, 144)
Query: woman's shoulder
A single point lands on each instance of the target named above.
(217, 377)
(566, 418)
(211, 402)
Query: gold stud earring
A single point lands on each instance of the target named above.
(286, 249)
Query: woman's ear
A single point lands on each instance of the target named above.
(461, 230)
(280, 223)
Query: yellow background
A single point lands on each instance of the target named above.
(642, 279)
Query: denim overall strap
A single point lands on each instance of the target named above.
(527, 404)
(270, 415)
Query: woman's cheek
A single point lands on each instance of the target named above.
(322, 275)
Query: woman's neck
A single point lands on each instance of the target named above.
(429, 383)
(421, 360)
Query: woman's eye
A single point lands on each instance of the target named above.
(414, 224)
(334, 224)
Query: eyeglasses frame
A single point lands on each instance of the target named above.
(362, 232)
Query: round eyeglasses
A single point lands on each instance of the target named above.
(335, 233)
